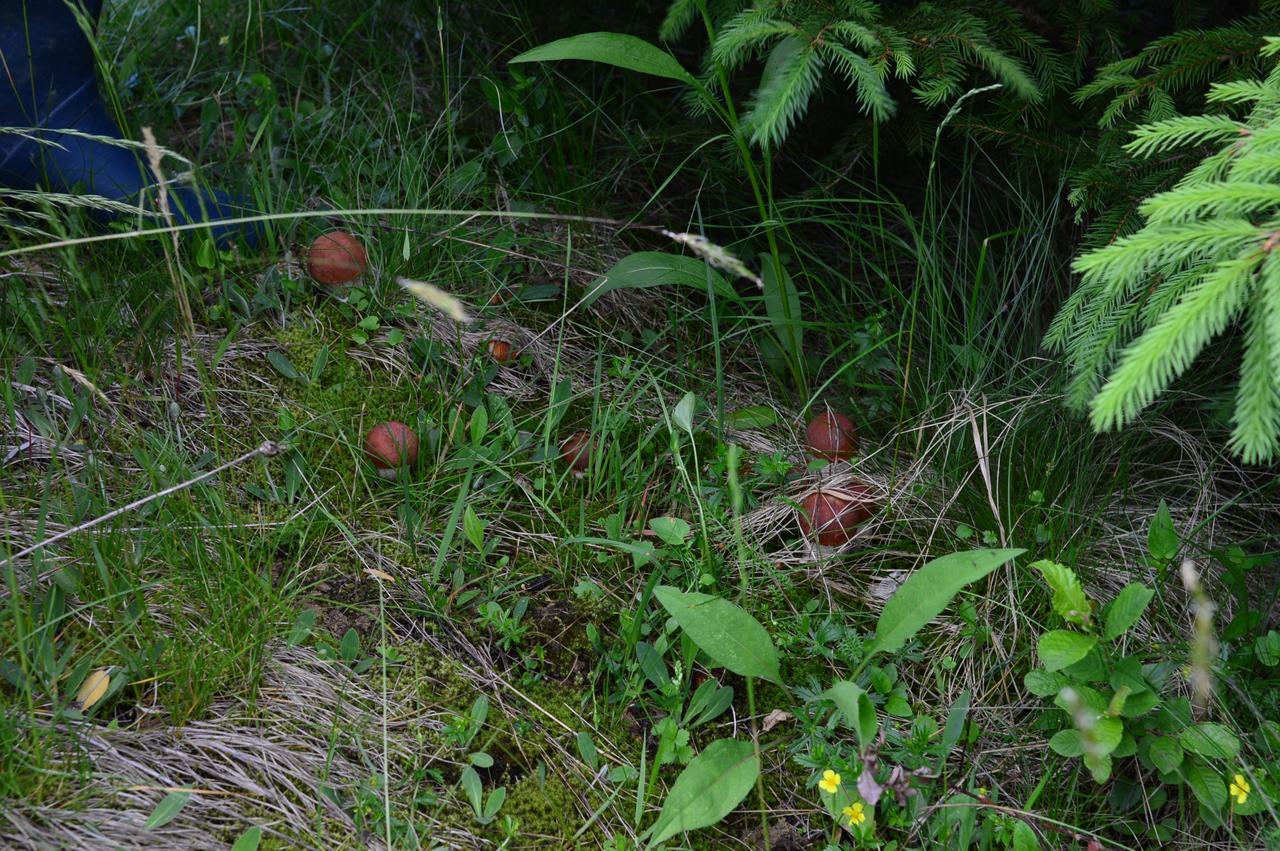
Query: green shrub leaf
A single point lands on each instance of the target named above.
(1206, 784)
(1125, 609)
(1165, 753)
(856, 707)
(1069, 599)
(928, 591)
(1107, 734)
(1059, 648)
(617, 49)
(1042, 683)
(1068, 743)
(723, 631)
(709, 788)
(1214, 741)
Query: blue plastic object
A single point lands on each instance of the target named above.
(48, 85)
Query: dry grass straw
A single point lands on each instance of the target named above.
(314, 724)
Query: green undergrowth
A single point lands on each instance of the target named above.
(511, 604)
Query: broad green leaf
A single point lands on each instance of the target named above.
(756, 416)
(730, 636)
(856, 707)
(1059, 648)
(1125, 610)
(474, 528)
(1206, 784)
(1162, 538)
(651, 664)
(1267, 648)
(1070, 699)
(1024, 837)
(207, 255)
(302, 626)
(928, 591)
(1214, 741)
(285, 367)
(1042, 683)
(672, 531)
(709, 788)
(1107, 734)
(782, 304)
(1165, 753)
(954, 727)
(167, 810)
(683, 412)
(474, 788)
(491, 806)
(350, 647)
(1099, 767)
(249, 840)
(1069, 599)
(654, 268)
(1067, 743)
(587, 750)
(617, 49)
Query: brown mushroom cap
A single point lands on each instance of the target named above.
(576, 451)
(390, 446)
(832, 436)
(501, 351)
(835, 514)
(335, 258)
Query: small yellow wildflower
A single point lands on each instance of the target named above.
(1239, 789)
(854, 814)
(830, 782)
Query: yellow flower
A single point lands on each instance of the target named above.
(854, 814)
(1239, 789)
(830, 782)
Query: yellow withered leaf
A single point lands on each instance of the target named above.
(94, 688)
(379, 574)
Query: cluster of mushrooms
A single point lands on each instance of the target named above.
(830, 515)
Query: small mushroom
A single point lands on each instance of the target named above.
(831, 435)
(576, 452)
(336, 258)
(500, 351)
(834, 514)
(391, 446)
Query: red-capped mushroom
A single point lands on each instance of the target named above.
(576, 451)
(834, 514)
(336, 258)
(500, 351)
(391, 446)
(831, 435)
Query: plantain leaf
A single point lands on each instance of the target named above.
(928, 591)
(709, 788)
(617, 49)
(723, 631)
